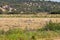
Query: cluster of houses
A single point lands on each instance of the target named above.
(7, 8)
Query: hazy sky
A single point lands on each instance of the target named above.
(56, 0)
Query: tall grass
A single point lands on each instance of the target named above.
(48, 32)
(51, 27)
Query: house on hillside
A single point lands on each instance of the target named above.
(2, 9)
(7, 8)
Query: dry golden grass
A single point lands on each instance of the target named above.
(29, 23)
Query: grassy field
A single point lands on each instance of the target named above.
(49, 32)
(34, 29)
(23, 23)
(30, 27)
(18, 34)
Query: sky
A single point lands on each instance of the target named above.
(56, 0)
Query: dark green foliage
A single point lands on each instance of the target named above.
(55, 12)
(33, 38)
(52, 26)
(13, 12)
(1, 11)
(31, 6)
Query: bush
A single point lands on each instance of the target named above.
(1, 11)
(13, 12)
(52, 26)
(55, 12)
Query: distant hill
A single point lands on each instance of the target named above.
(31, 5)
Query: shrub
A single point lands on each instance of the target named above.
(52, 26)
(1, 11)
(55, 12)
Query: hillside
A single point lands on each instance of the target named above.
(26, 6)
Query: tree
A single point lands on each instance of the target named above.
(1, 11)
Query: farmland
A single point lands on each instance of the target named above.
(29, 26)
(29, 20)
(30, 23)
(29, 29)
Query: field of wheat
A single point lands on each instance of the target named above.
(29, 23)
(32, 29)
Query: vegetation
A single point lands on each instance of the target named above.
(30, 6)
(51, 27)
(49, 32)
(30, 15)
(55, 12)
